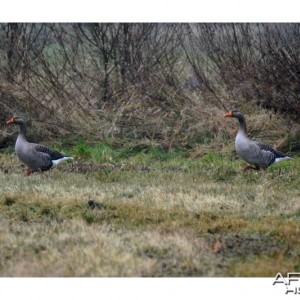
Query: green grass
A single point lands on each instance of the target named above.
(158, 214)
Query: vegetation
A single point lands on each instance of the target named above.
(155, 188)
(163, 83)
(149, 214)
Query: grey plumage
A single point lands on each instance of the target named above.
(255, 153)
(37, 157)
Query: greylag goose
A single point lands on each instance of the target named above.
(36, 157)
(255, 153)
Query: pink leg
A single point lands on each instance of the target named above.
(247, 168)
(28, 172)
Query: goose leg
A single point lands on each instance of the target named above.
(247, 168)
(28, 172)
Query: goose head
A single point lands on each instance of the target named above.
(234, 114)
(15, 120)
(238, 115)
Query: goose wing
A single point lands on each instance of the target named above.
(47, 152)
(270, 155)
(267, 148)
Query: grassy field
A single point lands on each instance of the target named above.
(112, 213)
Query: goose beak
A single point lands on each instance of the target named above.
(10, 121)
(229, 114)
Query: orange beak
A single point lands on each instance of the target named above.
(229, 114)
(10, 121)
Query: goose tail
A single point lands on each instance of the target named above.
(58, 161)
(279, 159)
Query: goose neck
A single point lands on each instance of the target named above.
(22, 129)
(243, 126)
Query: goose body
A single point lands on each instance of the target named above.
(255, 153)
(37, 157)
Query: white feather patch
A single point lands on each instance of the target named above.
(279, 159)
(58, 161)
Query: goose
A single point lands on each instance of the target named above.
(37, 157)
(255, 153)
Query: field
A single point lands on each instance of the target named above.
(149, 213)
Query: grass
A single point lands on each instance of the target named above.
(157, 214)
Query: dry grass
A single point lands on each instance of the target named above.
(204, 218)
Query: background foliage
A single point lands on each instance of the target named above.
(166, 84)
